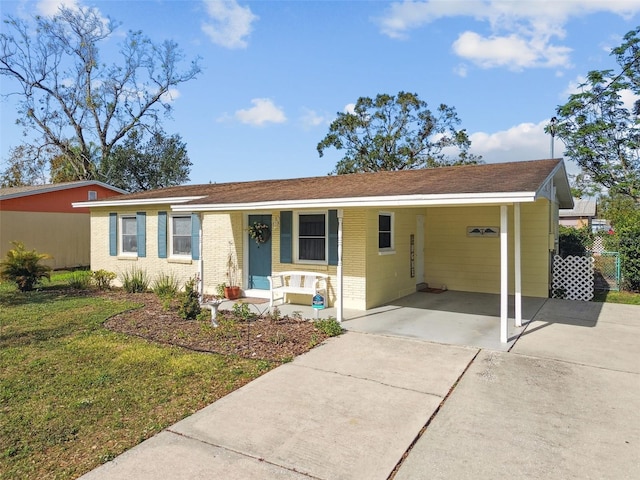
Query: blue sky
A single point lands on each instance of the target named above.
(276, 72)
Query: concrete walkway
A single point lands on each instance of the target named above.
(563, 403)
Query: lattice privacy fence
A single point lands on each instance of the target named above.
(598, 245)
(573, 278)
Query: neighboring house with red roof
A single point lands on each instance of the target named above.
(42, 218)
(378, 236)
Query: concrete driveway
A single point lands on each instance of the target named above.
(563, 403)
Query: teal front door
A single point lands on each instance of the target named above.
(260, 254)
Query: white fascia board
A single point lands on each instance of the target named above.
(393, 201)
(135, 202)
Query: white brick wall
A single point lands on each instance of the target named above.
(152, 264)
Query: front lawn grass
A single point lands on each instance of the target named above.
(627, 298)
(74, 395)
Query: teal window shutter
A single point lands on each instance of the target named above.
(162, 234)
(333, 237)
(286, 236)
(141, 226)
(195, 236)
(113, 234)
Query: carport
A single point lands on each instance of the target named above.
(502, 200)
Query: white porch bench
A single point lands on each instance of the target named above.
(305, 283)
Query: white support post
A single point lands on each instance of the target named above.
(518, 264)
(339, 295)
(504, 276)
(200, 262)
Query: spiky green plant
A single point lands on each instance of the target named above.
(23, 267)
(135, 280)
(165, 285)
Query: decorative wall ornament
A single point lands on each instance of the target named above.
(483, 231)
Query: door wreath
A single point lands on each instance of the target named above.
(259, 232)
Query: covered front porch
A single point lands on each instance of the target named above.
(450, 317)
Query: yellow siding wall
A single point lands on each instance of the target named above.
(65, 236)
(354, 263)
(389, 274)
(473, 263)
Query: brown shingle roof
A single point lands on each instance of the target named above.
(527, 176)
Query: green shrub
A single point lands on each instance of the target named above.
(629, 248)
(102, 279)
(243, 311)
(23, 267)
(189, 308)
(135, 280)
(79, 279)
(329, 326)
(574, 241)
(166, 285)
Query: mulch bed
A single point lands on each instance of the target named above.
(266, 338)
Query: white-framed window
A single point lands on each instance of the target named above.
(312, 241)
(180, 236)
(128, 235)
(385, 232)
(92, 195)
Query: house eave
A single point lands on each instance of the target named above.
(136, 202)
(558, 178)
(364, 202)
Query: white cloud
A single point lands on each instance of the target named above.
(311, 118)
(573, 87)
(629, 99)
(526, 141)
(408, 15)
(263, 111)
(512, 51)
(350, 108)
(48, 8)
(461, 70)
(171, 96)
(522, 33)
(229, 24)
